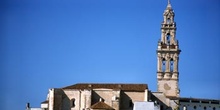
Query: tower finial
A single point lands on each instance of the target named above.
(168, 5)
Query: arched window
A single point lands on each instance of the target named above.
(168, 38)
(205, 108)
(163, 65)
(213, 108)
(73, 102)
(194, 107)
(168, 20)
(171, 65)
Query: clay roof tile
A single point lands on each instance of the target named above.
(125, 87)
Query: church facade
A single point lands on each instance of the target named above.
(86, 96)
(91, 96)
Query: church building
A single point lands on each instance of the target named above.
(98, 96)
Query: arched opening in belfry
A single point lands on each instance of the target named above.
(168, 38)
(168, 20)
(171, 65)
(163, 65)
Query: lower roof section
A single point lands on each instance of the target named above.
(101, 105)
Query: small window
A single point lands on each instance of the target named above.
(194, 107)
(204, 108)
(213, 108)
(73, 102)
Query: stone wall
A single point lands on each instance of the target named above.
(168, 87)
(128, 98)
(199, 105)
(110, 97)
(55, 99)
(72, 100)
(78, 99)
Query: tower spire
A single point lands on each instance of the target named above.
(168, 4)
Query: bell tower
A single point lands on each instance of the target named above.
(168, 56)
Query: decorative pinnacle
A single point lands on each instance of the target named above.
(168, 1)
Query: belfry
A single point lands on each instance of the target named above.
(168, 55)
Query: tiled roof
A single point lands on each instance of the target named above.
(101, 105)
(126, 87)
(172, 97)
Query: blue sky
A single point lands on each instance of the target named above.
(55, 43)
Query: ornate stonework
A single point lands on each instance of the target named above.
(168, 56)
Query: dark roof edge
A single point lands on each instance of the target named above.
(44, 102)
(117, 86)
(197, 99)
(110, 83)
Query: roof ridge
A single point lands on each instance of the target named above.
(116, 86)
(110, 83)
